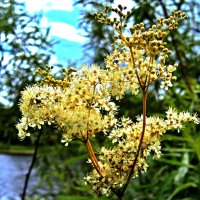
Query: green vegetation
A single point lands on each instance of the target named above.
(15, 149)
(24, 47)
(176, 175)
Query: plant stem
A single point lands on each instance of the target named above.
(92, 156)
(133, 62)
(140, 143)
(97, 167)
(31, 166)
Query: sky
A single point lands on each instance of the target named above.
(63, 18)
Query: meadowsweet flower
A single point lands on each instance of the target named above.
(80, 104)
(166, 84)
(117, 161)
(84, 99)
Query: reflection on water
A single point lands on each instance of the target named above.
(12, 174)
(13, 169)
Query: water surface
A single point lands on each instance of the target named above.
(13, 169)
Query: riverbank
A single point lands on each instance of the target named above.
(16, 149)
(24, 150)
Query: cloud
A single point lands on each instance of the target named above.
(66, 31)
(63, 30)
(53, 60)
(46, 5)
(44, 22)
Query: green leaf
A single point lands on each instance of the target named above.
(171, 149)
(166, 185)
(176, 163)
(181, 188)
(183, 169)
(75, 159)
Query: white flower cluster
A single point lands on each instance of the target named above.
(80, 105)
(116, 162)
(77, 110)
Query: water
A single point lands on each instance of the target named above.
(12, 175)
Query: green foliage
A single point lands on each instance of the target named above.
(24, 47)
(176, 175)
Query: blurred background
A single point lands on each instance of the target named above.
(64, 33)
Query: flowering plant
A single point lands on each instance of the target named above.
(81, 104)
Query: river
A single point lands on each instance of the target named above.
(13, 169)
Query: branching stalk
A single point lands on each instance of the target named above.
(97, 167)
(31, 166)
(133, 63)
(140, 143)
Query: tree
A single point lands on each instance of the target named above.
(24, 47)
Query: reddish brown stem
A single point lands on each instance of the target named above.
(92, 156)
(133, 62)
(96, 164)
(140, 143)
